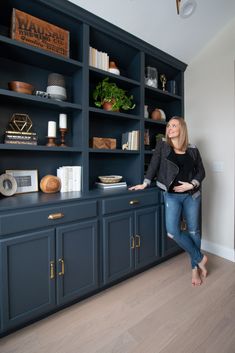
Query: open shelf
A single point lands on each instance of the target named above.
(12, 49)
(46, 149)
(99, 74)
(11, 97)
(156, 93)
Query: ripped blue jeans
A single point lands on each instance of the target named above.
(189, 240)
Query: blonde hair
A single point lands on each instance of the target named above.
(183, 137)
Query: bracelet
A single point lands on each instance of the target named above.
(192, 184)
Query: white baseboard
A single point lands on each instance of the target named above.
(219, 250)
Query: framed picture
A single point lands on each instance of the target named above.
(27, 180)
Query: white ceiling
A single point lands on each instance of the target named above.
(156, 22)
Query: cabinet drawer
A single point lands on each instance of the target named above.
(46, 216)
(130, 202)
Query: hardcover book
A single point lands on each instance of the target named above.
(111, 185)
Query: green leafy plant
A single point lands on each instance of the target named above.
(108, 92)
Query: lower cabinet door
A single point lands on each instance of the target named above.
(27, 277)
(118, 246)
(146, 236)
(76, 257)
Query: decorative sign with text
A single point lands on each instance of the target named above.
(39, 33)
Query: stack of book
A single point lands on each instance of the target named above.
(98, 59)
(18, 137)
(130, 140)
(105, 186)
(70, 177)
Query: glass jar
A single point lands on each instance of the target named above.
(151, 76)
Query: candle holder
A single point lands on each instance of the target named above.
(63, 131)
(51, 141)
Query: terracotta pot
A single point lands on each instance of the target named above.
(112, 65)
(113, 68)
(156, 115)
(109, 107)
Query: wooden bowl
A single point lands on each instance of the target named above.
(21, 87)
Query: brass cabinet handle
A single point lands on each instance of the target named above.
(56, 215)
(134, 202)
(138, 243)
(61, 273)
(132, 243)
(52, 270)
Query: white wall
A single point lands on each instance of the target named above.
(210, 113)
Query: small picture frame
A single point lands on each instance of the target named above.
(27, 180)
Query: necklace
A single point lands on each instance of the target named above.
(178, 151)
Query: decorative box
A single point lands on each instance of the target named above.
(103, 142)
(39, 33)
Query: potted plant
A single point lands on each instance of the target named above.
(109, 96)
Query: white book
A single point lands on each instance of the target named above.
(95, 57)
(62, 173)
(111, 186)
(90, 56)
(77, 178)
(70, 177)
(129, 140)
(99, 59)
(107, 63)
(135, 140)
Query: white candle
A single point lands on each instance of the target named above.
(51, 129)
(63, 121)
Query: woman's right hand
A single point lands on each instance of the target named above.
(138, 187)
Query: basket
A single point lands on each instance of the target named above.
(109, 179)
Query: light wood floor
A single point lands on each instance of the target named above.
(155, 312)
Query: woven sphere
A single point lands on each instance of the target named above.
(50, 184)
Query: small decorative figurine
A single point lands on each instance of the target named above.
(19, 130)
(163, 80)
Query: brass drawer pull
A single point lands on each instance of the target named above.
(132, 242)
(52, 270)
(137, 237)
(61, 273)
(134, 202)
(56, 215)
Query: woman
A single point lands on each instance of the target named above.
(179, 171)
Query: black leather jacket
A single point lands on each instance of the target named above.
(166, 171)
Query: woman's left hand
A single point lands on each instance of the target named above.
(183, 187)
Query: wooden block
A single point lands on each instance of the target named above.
(31, 30)
(103, 142)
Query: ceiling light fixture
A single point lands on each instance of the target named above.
(185, 8)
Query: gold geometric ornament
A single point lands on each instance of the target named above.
(20, 122)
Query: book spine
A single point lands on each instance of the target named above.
(20, 133)
(13, 24)
(77, 178)
(20, 142)
(20, 138)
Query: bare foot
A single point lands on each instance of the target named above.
(202, 266)
(196, 279)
